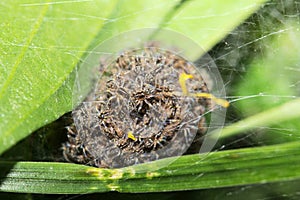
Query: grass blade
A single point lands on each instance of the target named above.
(284, 112)
(217, 169)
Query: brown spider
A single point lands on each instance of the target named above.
(150, 106)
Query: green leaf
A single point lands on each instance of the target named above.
(198, 171)
(207, 22)
(281, 113)
(43, 42)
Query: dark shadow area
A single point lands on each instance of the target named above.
(42, 145)
(5, 168)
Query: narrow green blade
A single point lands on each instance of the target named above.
(216, 169)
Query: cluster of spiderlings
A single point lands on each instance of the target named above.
(138, 111)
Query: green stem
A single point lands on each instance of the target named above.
(287, 111)
(198, 171)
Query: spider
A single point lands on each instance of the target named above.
(152, 106)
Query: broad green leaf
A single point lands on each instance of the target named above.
(213, 170)
(207, 22)
(41, 45)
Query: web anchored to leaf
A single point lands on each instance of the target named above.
(143, 108)
(258, 62)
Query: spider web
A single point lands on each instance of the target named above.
(260, 72)
(260, 67)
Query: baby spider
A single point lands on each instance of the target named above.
(150, 104)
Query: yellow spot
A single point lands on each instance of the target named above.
(106, 174)
(116, 174)
(150, 175)
(183, 77)
(221, 102)
(113, 187)
(131, 136)
(99, 173)
(93, 171)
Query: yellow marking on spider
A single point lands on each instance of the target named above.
(183, 77)
(131, 136)
(221, 102)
